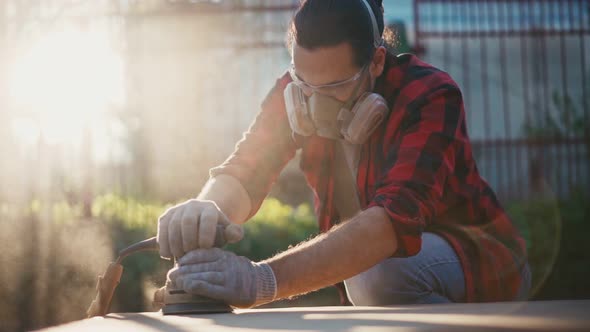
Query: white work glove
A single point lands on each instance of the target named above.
(195, 224)
(222, 275)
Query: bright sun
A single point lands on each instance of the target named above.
(64, 82)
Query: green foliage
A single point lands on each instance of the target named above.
(569, 120)
(128, 213)
(570, 275)
(539, 222)
(274, 228)
(556, 234)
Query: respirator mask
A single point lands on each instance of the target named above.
(329, 117)
(311, 112)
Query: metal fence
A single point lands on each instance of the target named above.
(521, 64)
(523, 69)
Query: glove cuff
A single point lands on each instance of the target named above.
(266, 284)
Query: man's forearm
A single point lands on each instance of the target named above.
(343, 252)
(229, 195)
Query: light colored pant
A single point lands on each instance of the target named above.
(434, 275)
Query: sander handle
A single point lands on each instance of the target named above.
(225, 234)
(108, 282)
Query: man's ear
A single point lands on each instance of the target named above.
(378, 62)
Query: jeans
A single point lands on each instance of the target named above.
(434, 275)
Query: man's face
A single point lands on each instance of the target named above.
(329, 65)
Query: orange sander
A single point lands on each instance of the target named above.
(172, 301)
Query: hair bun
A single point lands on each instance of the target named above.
(379, 4)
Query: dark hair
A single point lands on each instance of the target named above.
(320, 23)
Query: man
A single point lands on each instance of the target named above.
(428, 228)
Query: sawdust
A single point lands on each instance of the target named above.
(49, 270)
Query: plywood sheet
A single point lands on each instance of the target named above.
(507, 316)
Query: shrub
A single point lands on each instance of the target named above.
(555, 232)
(274, 228)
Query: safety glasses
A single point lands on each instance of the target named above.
(331, 89)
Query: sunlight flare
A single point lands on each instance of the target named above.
(64, 81)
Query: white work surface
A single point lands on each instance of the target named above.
(507, 316)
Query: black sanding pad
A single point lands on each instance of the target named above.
(195, 308)
(177, 302)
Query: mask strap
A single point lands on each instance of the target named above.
(345, 115)
(376, 38)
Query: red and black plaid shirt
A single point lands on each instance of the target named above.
(418, 165)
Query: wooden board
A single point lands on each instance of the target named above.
(507, 316)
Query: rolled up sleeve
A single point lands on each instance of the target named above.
(264, 150)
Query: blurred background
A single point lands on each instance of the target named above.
(113, 110)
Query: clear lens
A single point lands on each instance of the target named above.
(336, 89)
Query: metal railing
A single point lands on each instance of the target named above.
(523, 69)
